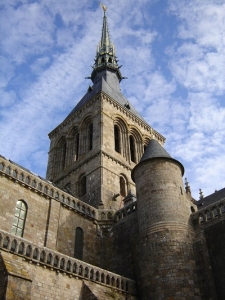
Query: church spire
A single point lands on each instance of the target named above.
(106, 54)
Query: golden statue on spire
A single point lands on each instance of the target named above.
(103, 6)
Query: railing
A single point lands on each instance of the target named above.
(73, 267)
(206, 214)
(44, 187)
(125, 211)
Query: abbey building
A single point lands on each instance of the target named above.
(113, 218)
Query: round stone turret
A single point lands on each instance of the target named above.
(165, 259)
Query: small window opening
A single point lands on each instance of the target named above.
(122, 187)
(82, 186)
(79, 243)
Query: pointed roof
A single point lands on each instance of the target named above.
(107, 85)
(106, 74)
(153, 151)
(106, 53)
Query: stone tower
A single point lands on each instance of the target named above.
(166, 266)
(95, 148)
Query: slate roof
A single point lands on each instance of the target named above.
(210, 199)
(108, 83)
(154, 149)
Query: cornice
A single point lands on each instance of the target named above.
(46, 189)
(124, 165)
(77, 269)
(69, 120)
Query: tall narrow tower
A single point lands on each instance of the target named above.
(165, 259)
(95, 148)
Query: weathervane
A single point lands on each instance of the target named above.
(103, 7)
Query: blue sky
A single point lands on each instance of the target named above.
(172, 52)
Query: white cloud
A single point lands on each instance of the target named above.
(174, 62)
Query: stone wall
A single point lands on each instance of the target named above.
(52, 215)
(120, 242)
(209, 246)
(33, 279)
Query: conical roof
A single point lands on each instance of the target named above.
(154, 149)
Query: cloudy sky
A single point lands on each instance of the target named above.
(172, 51)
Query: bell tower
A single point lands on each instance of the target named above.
(94, 149)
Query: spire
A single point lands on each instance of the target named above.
(106, 54)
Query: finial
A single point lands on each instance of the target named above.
(187, 187)
(103, 7)
(201, 194)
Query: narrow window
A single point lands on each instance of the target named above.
(90, 136)
(82, 186)
(19, 218)
(122, 187)
(79, 243)
(132, 149)
(117, 138)
(77, 145)
(63, 155)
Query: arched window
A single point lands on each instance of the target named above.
(90, 136)
(123, 188)
(77, 142)
(132, 149)
(79, 243)
(8, 170)
(117, 138)
(82, 188)
(19, 218)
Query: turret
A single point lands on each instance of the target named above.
(165, 259)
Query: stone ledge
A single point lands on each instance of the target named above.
(61, 263)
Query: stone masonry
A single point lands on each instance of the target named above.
(113, 220)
